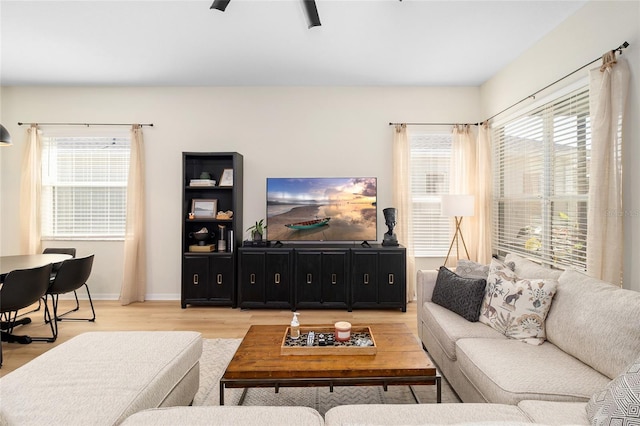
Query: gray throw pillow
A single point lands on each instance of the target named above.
(470, 269)
(619, 402)
(460, 295)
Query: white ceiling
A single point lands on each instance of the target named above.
(360, 42)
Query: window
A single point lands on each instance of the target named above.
(430, 163)
(541, 182)
(84, 184)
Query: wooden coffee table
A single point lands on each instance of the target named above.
(399, 360)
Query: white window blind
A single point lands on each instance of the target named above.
(541, 182)
(84, 181)
(430, 163)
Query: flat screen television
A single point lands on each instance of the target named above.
(322, 209)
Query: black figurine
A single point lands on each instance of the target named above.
(390, 238)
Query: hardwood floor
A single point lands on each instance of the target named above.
(212, 322)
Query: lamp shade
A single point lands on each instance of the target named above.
(5, 137)
(457, 205)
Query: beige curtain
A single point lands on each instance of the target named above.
(402, 202)
(484, 195)
(608, 89)
(462, 180)
(134, 280)
(30, 191)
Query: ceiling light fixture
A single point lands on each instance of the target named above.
(220, 5)
(5, 137)
(311, 11)
(309, 6)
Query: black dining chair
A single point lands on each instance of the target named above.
(72, 274)
(22, 288)
(71, 251)
(54, 250)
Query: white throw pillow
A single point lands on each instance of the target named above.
(619, 402)
(516, 307)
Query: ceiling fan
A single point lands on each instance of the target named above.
(309, 7)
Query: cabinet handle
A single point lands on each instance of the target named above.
(366, 279)
(334, 279)
(195, 279)
(277, 278)
(219, 279)
(252, 279)
(309, 278)
(391, 279)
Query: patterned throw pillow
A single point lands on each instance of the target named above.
(514, 306)
(460, 295)
(619, 402)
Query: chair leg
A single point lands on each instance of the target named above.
(93, 312)
(48, 319)
(52, 324)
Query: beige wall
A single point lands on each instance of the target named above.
(305, 132)
(596, 28)
(280, 131)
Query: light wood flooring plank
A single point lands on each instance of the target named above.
(212, 322)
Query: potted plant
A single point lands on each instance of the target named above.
(257, 230)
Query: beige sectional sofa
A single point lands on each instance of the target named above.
(593, 334)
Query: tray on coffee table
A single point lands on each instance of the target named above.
(299, 346)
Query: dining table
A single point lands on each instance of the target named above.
(25, 261)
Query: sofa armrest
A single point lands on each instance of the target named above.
(425, 283)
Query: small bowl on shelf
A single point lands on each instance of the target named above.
(200, 237)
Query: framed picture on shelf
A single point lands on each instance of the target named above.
(227, 178)
(207, 208)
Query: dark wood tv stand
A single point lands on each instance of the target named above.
(338, 276)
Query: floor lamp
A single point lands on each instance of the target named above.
(458, 206)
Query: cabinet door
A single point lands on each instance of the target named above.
(364, 281)
(252, 278)
(391, 278)
(277, 281)
(195, 278)
(308, 275)
(334, 277)
(222, 278)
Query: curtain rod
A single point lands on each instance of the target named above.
(435, 124)
(533, 95)
(85, 124)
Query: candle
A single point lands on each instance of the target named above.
(343, 331)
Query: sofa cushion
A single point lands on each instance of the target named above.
(226, 415)
(526, 268)
(555, 413)
(509, 371)
(448, 327)
(460, 295)
(423, 414)
(516, 306)
(619, 402)
(596, 322)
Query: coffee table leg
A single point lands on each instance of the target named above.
(221, 393)
(415, 395)
(438, 389)
(243, 396)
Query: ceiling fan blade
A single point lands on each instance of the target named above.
(312, 13)
(220, 4)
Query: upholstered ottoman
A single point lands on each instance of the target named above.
(226, 416)
(101, 378)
